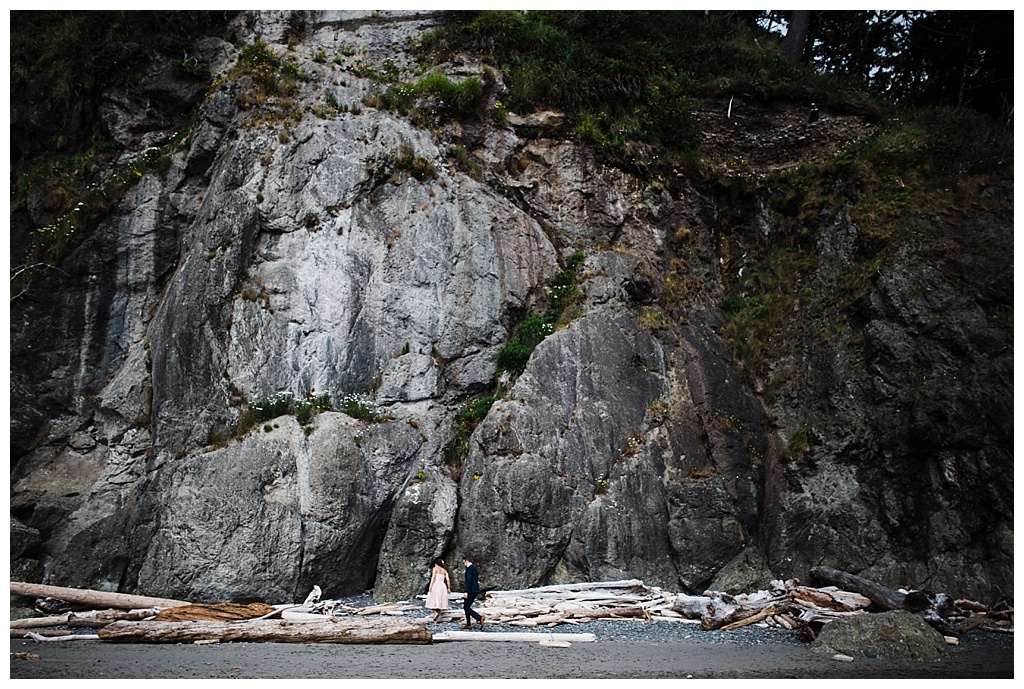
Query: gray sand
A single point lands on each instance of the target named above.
(93, 659)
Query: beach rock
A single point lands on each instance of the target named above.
(891, 635)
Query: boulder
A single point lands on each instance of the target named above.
(893, 635)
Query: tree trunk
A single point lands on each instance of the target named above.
(792, 46)
(332, 630)
(100, 599)
(882, 597)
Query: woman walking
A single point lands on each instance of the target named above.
(440, 587)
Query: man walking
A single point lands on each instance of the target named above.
(472, 591)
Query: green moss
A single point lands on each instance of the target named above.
(466, 421)
(563, 294)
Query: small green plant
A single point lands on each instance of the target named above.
(513, 356)
(281, 404)
(435, 96)
(797, 447)
(466, 421)
(416, 165)
(498, 112)
(390, 166)
(750, 322)
(191, 67)
(359, 407)
(562, 293)
(466, 163)
(634, 444)
(386, 73)
(271, 76)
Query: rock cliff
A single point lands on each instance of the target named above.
(301, 245)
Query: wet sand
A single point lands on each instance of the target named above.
(93, 659)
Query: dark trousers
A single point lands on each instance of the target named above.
(471, 614)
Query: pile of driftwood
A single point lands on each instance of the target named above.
(786, 604)
(139, 619)
(548, 606)
(789, 605)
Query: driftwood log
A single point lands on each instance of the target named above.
(882, 597)
(937, 609)
(28, 633)
(97, 599)
(220, 612)
(535, 637)
(84, 618)
(332, 630)
(39, 622)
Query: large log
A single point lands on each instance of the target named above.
(99, 599)
(831, 598)
(36, 622)
(221, 612)
(535, 637)
(332, 630)
(574, 591)
(568, 610)
(882, 597)
(101, 618)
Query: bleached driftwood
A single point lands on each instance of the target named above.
(27, 633)
(36, 636)
(533, 637)
(99, 599)
(562, 591)
(724, 609)
(37, 622)
(786, 604)
(331, 630)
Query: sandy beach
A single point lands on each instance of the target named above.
(93, 659)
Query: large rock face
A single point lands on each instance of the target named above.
(291, 250)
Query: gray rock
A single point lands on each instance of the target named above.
(893, 635)
(284, 251)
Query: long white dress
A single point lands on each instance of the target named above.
(437, 594)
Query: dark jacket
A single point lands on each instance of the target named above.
(472, 579)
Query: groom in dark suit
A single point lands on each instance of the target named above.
(472, 591)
